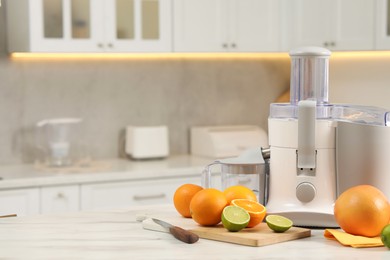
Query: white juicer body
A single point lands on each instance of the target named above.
(302, 136)
(305, 196)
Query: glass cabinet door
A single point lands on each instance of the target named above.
(139, 25)
(125, 23)
(80, 19)
(58, 13)
(53, 19)
(65, 25)
(99, 25)
(150, 20)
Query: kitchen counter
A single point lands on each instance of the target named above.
(30, 175)
(115, 234)
(33, 189)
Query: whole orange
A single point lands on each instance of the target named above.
(183, 196)
(207, 205)
(362, 210)
(239, 192)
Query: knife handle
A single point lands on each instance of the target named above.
(183, 235)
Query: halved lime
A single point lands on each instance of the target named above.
(385, 236)
(234, 218)
(278, 223)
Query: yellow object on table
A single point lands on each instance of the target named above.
(352, 240)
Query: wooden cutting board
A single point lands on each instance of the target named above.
(257, 236)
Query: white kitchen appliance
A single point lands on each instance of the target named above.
(317, 150)
(147, 142)
(226, 141)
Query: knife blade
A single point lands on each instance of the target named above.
(179, 233)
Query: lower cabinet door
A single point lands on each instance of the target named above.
(19, 201)
(60, 199)
(130, 193)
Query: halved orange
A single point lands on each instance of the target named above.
(256, 210)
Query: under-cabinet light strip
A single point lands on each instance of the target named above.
(25, 55)
(54, 56)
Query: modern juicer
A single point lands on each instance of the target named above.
(318, 150)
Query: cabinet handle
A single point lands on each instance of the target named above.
(100, 45)
(332, 44)
(149, 197)
(110, 45)
(326, 44)
(225, 45)
(234, 45)
(60, 195)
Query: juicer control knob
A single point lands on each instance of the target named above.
(305, 192)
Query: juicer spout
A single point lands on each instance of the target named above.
(266, 153)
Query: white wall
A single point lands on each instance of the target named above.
(363, 80)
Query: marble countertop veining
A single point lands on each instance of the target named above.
(30, 175)
(115, 234)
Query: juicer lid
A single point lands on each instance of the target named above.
(310, 51)
(250, 156)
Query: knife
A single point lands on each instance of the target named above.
(179, 233)
(7, 216)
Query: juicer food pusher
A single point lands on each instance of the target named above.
(308, 168)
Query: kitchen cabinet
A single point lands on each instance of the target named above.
(226, 25)
(108, 194)
(382, 29)
(89, 25)
(86, 196)
(60, 199)
(39, 200)
(333, 24)
(26, 190)
(19, 201)
(123, 194)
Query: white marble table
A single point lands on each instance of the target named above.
(115, 234)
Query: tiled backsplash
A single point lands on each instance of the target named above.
(179, 93)
(110, 94)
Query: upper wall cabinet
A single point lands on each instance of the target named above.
(226, 25)
(333, 24)
(89, 25)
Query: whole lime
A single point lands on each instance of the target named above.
(385, 235)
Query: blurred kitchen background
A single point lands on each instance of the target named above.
(179, 92)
